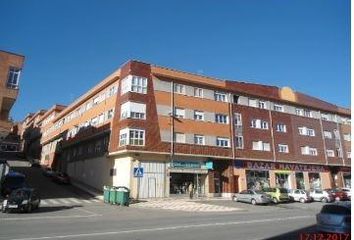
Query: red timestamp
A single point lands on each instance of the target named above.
(324, 236)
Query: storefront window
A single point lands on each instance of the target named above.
(257, 180)
(315, 181)
(282, 180)
(300, 183)
(347, 178)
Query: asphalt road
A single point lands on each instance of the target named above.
(79, 217)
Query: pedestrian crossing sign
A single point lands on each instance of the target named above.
(138, 172)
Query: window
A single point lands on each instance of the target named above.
(299, 112)
(339, 152)
(306, 150)
(262, 104)
(278, 108)
(198, 92)
(238, 119)
(98, 146)
(134, 84)
(112, 90)
(13, 78)
(260, 146)
(179, 112)
(307, 113)
(89, 105)
(133, 110)
(260, 124)
(252, 102)
(347, 137)
(179, 137)
(327, 134)
(219, 96)
(336, 134)
(135, 137)
(179, 88)
(100, 118)
(110, 114)
(221, 118)
(283, 148)
(306, 131)
(239, 142)
(199, 140)
(325, 116)
(222, 142)
(330, 153)
(198, 115)
(94, 121)
(280, 127)
(349, 155)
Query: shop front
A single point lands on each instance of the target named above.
(259, 175)
(186, 173)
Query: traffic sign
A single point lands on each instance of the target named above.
(138, 172)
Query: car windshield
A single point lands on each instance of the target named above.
(259, 192)
(336, 209)
(283, 190)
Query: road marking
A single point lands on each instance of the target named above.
(49, 217)
(63, 200)
(74, 200)
(83, 235)
(53, 201)
(95, 200)
(44, 202)
(85, 201)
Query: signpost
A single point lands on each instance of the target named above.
(138, 172)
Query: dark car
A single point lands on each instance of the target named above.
(335, 217)
(338, 194)
(61, 178)
(12, 181)
(22, 199)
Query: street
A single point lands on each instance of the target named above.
(69, 213)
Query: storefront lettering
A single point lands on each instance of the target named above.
(284, 166)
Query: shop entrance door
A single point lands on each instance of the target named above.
(282, 180)
(179, 183)
(236, 190)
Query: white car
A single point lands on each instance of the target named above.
(321, 195)
(299, 195)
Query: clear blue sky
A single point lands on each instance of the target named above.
(70, 45)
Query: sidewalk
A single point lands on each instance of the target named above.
(88, 189)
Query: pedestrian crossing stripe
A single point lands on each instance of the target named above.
(66, 201)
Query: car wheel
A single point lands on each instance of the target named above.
(235, 198)
(253, 201)
(275, 200)
(29, 208)
(302, 200)
(324, 200)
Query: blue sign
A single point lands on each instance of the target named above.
(209, 165)
(138, 172)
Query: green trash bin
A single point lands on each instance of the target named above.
(106, 193)
(113, 195)
(123, 196)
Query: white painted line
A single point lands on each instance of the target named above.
(63, 200)
(83, 235)
(95, 200)
(53, 201)
(44, 202)
(48, 217)
(85, 201)
(74, 200)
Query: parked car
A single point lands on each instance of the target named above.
(321, 195)
(277, 194)
(48, 172)
(12, 181)
(338, 194)
(62, 178)
(252, 196)
(35, 165)
(335, 217)
(23, 199)
(299, 195)
(348, 191)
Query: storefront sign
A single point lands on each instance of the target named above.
(266, 166)
(177, 164)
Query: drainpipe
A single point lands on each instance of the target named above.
(340, 143)
(272, 133)
(232, 139)
(323, 139)
(172, 117)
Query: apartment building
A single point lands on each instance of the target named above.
(10, 70)
(155, 130)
